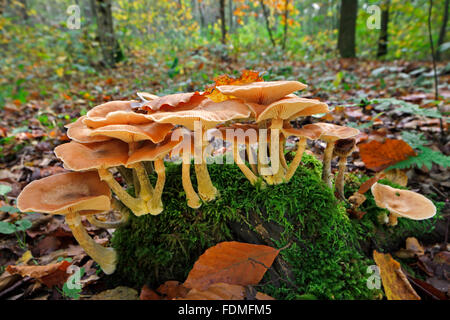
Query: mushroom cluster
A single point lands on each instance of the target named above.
(131, 139)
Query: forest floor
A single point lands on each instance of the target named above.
(30, 129)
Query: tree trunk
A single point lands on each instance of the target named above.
(222, 21)
(443, 32)
(383, 40)
(230, 15)
(111, 50)
(266, 18)
(286, 13)
(347, 28)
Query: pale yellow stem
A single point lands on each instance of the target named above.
(105, 257)
(326, 172)
(297, 159)
(155, 205)
(193, 200)
(240, 163)
(393, 219)
(339, 184)
(118, 206)
(137, 206)
(206, 189)
(251, 158)
(282, 157)
(146, 189)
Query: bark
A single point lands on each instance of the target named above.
(286, 13)
(383, 40)
(111, 50)
(347, 28)
(443, 31)
(266, 18)
(230, 15)
(222, 21)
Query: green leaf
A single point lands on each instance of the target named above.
(406, 107)
(7, 228)
(426, 158)
(23, 225)
(4, 189)
(414, 139)
(9, 209)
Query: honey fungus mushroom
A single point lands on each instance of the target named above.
(402, 203)
(331, 133)
(72, 194)
(101, 156)
(206, 116)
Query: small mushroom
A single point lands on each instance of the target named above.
(309, 131)
(72, 194)
(342, 148)
(150, 151)
(207, 115)
(402, 203)
(100, 156)
(331, 133)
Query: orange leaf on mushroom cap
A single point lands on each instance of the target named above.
(380, 155)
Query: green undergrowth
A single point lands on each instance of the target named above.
(322, 245)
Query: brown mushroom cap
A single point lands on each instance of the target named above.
(65, 192)
(174, 102)
(264, 92)
(292, 107)
(156, 132)
(114, 112)
(150, 151)
(87, 156)
(80, 132)
(310, 131)
(209, 113)
(333, 132)
(404, 203)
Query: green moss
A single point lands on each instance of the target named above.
(324, 253)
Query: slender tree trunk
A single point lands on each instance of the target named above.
(112, 53)
(230, 15)
(286, 13)
(222, 21)
(201, 14)
(443, 31)
(347, 28)
(266, 18)
(383, 40)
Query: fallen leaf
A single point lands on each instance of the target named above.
(148, 294)
(50, 275)
(231, 262)
(172, 289)
(378, 156)
(217, 291)
(119, 293)
(395, 284)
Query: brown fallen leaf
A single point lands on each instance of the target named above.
(217, 291)
(395, 284)
(231, 262)
(119, 293)
(50, 275)
(148, 294)
(378, 156)
(263, 296)
(172, 289)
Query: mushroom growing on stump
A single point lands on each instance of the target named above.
(342, 148)
(332, 133)
(101, 156)
(185, 150)
(207, 115)
(402, 203)
(150, 151)
(309, 131)
(132, 134)
(72, 194)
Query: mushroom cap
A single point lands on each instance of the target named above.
(88, 156)
(156, 132)
(150, 151)
(114, 112)
(288, 108)
(147, 96)
(209, 113)
(264, 92)
(310, 131)
(405, 203)
(344, 147)
(241, 126)
(80, 132)
(174, 102)
(333, 132)
(64, 192)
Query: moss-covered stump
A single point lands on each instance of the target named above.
(322, 256)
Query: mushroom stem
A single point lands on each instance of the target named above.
(127, 175)
(146, 189)
(297, 159)
(118, 206)
(137, 206)
(251, 158)
(282, 157)
(193, 200)
(339, 184)
(206, 189)
(328, 155)
(393, 219)
(241, 164)
(105, 257)
(155, 205)
(278, 175)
